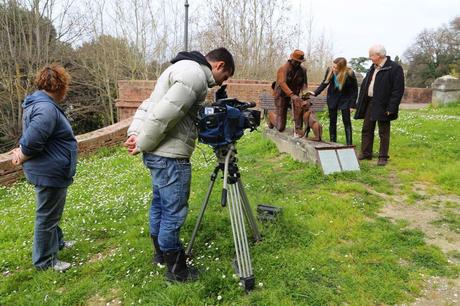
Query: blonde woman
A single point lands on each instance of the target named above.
(341, 94)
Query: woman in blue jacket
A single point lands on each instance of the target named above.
(48, 154)
(341, 94)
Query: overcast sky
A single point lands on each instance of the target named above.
(355, 25)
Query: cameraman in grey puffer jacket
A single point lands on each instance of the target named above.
(163, 130)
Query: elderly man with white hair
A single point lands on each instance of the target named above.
(381, 92)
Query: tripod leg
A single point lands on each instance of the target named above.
(188, 251)
(240, 238)
(248, 212)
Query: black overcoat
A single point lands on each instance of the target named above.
(340, 99)
(388, 92)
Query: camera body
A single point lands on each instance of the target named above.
(224, 121)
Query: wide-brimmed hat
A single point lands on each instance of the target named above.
(298, 56)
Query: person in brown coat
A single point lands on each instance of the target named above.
(291, 80)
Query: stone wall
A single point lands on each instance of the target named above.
(106, 137)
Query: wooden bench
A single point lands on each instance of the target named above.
(267, 103)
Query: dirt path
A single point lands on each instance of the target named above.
(427, 214)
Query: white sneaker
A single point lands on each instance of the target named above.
(69, 244)
(61, 266)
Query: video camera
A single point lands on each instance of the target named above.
(224, 121)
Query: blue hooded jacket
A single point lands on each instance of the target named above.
(49, 140)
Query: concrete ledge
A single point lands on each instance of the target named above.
(300, 149)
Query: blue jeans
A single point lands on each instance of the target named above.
(48, 236)
(171, 189)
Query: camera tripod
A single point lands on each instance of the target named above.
(238, 205)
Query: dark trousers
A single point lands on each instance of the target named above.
(333, 124)
(367, 135)
(282, 105)
(48, 237)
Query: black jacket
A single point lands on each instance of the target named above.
(388, 92)
(336, 98)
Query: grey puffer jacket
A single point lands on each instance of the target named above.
(164, 123)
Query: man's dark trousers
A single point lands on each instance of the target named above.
(367, 134)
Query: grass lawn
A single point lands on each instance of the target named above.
(329, 247)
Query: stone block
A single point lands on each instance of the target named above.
(446, 90)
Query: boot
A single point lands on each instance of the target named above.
(271, 120)
(158, 256)
(178, 271)
(333, 130)
(348, 135)
(333, 137)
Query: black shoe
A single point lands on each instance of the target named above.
(178, 271)
(362, 157)
(158, 256)
(382, 161)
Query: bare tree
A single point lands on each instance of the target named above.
(28, 41)
(434, 53)
(317, 46)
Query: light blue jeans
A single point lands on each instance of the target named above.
(171, 189)
(48, 236)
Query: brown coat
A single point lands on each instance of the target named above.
(290, 80)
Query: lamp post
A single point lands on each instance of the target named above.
(186, 26)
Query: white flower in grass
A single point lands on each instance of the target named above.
(223, 276)
(219, 297)
(261, 284)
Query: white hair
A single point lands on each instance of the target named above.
(378, 49)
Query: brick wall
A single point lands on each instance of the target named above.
(417, 95)
(106, 137)
(132, 93)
